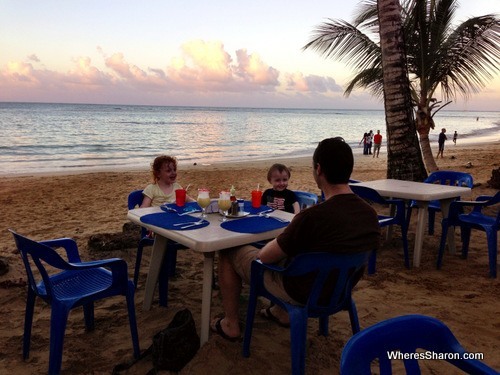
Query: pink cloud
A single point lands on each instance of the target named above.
(202, 67)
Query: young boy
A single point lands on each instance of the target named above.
(279, 197)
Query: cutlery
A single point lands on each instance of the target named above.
(267, 216)
(193, 224)
(186, 223)
(188, 212)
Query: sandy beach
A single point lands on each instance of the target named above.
(81, 205)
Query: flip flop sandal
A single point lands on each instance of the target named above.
(218, 329)
(267, 314)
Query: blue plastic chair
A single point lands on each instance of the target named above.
(351, 181)
(170, 259)
(67, 285)
(404, 335)
(384, 220)
(305, 199)
(476, 219)
(349, 268)
(451, 178)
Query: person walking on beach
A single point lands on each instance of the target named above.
(342, 223)
(455, 136)
(377, 142)
(370, 142)
(442, 138)
(365, 143)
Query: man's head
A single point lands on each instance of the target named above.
(334, 159)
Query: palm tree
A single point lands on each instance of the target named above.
(404, 159)
(441, 58)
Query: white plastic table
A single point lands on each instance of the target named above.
(423, 193)
(206, 240)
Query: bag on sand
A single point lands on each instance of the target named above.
(177, 344)
(172, 347)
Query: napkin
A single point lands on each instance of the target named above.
(167, 220)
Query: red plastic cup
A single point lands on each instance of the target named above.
(256, 198)
(180, 197)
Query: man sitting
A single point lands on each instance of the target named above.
(343, 223)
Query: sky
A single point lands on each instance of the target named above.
(222, 53)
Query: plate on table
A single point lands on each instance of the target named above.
(238, 215)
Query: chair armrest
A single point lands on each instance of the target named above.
(269, 266)
(118, 267)
(111, 263)
(68, 244)
(471, 203)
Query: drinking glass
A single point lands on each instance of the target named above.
(203, 201)
(224, 203)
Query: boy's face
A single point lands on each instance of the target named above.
(279, 180)
(168, 173)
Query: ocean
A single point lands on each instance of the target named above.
(48, 138)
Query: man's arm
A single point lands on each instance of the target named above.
(271, 253)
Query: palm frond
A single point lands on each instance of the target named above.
(341, 40)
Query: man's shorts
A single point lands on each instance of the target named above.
(241, 259)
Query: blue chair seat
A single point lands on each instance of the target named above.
(349, 269)
(71, 285)
(65, 285)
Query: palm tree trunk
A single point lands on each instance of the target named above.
(404, 159)
(430, 162)
(424, 124)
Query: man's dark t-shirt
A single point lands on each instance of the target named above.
(343, 224)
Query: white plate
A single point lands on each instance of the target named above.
(240, 214)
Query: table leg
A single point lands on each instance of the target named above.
(445, 209)
(157, 255)
(419, 235)
(206, 301)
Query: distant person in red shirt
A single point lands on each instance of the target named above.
(377, 142)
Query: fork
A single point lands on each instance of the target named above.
(193, 224)
(185, 223)
(188, 212)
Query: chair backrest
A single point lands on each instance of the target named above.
(372, 195)
(305, 198)
(33, 252)
(346, 269)
(368, 194)
(135, 199)
(451, 178)
(404, 334)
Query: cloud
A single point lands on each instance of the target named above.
(33, 58)
(311, 83)
(201, 68)
(252, 69)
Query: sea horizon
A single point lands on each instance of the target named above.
(69, 138)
